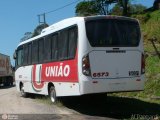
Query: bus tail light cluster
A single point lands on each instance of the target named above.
(142, 64)
(86, 66)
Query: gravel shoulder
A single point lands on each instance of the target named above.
(75, 108)
(13, 105)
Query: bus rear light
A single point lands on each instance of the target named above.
(86, 66)
(142, 64)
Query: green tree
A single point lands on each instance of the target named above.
(103, 5)
(86, 8)
(137, 8)
(117, 10)
(132, 8)
(94, 7)
(156, 4)
(38, 29)
(36, 32)
(26, 36)
(124, 5)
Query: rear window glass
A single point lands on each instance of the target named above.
(113, 33)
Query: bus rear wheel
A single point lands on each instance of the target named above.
(52, 94)
(23, 93)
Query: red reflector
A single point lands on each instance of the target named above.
(138, 80)
(142, 64)
(95, 81)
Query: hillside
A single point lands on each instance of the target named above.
(150, 26)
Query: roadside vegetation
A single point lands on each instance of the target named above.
(46, 100)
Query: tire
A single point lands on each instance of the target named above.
(23, 94)
(11, 83)
(52, 94)
(6, 82)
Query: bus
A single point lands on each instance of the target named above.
(82, 55)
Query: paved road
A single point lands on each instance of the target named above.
(17, 107)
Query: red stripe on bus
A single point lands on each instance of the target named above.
(62, 71)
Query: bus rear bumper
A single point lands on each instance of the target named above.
(111, 85)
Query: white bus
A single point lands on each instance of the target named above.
(82, 55)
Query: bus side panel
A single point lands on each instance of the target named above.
(63, 75)
(66, 89)
(28, 87)
(24, 75)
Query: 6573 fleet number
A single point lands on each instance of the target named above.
(101, 74)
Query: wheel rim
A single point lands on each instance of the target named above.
(22, 90)
(53, 95)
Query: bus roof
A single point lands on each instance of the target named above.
(69, 22)
(55, 27)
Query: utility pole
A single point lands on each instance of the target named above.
(42, 18)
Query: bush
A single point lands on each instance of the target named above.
(143, 18)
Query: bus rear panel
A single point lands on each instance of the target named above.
(114, 60)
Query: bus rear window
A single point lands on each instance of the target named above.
(113, 33)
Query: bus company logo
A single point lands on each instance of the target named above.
(50, 72)
(37, 82)
(4, 117)
(60, 72)
(57, 71)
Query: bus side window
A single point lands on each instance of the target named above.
(41, 50)
(29, 53)
(35, 52)
(63, 45)
(19, 57)
(72, 42)
(55, 47)
(47, 48)
(25, 61)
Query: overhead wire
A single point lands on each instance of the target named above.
(61, 7)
